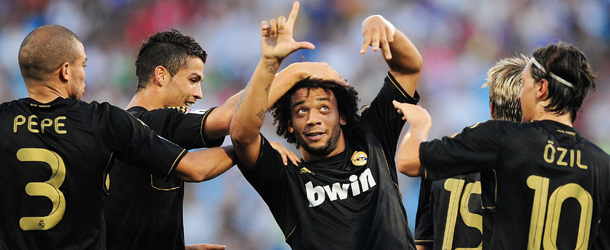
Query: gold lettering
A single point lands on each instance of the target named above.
(540, 185)
(471, 219)
(571, 157)
(455, 186)
(32, 123)
(562, 193)
(580, 165)
(46, 122)
(19, 120)
(59, 124)
(563, 151)
(549, 158)
(49, 188)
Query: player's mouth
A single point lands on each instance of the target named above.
(188, 104)
(315, 136)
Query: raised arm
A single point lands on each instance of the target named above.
(277, 43)
(407, 156)
(402, 57)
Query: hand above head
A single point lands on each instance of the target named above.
(378, 33)
(277, 36)
(317, 70)
(287, 78)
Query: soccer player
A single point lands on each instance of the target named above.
(56, 150)
(449, 213)
(552, 183)
(144, 211)
(345, 194)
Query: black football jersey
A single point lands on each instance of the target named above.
(552, 183)
(350, 200)
(449, 213)
(54, 159)
(144, 211)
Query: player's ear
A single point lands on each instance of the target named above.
(542, 89)
(342, 120)
(290, 128)
(63, 72)
(161, 76)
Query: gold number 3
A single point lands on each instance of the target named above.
(49, 189)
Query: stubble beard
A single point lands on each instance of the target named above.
(329, 147)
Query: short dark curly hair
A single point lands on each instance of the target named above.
(170, 49)
(347, 102)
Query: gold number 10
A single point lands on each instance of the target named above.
(541, 187)
(49, 189)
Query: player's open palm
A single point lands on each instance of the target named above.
(277, 36)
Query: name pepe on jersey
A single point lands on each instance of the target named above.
(35, 126)
(358, 184)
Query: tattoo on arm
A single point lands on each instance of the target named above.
(261, 114)
(268, 88)
(271, 67)
(241, 99)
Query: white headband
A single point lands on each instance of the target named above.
(556, 77)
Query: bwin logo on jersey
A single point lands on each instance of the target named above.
(317, 195)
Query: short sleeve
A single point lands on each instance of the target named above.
(268, 175)
(134, 143)
(382, 118)
(473, 150)
(183, 127)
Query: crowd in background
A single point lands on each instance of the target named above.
(458, 39)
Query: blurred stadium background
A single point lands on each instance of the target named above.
(458, 39)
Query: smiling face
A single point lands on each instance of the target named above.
(316, 123)
(184, 87)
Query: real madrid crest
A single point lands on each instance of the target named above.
(359, 158)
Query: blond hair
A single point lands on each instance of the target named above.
(504, 82)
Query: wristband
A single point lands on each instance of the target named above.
(392, 28)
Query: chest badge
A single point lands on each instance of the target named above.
(359, 158)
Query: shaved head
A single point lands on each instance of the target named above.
(45, 49)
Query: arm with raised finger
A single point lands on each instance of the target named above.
(277, 43)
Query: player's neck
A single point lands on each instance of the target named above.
(563, 119)
(145, 100)
(44, 93)
(542, 114)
